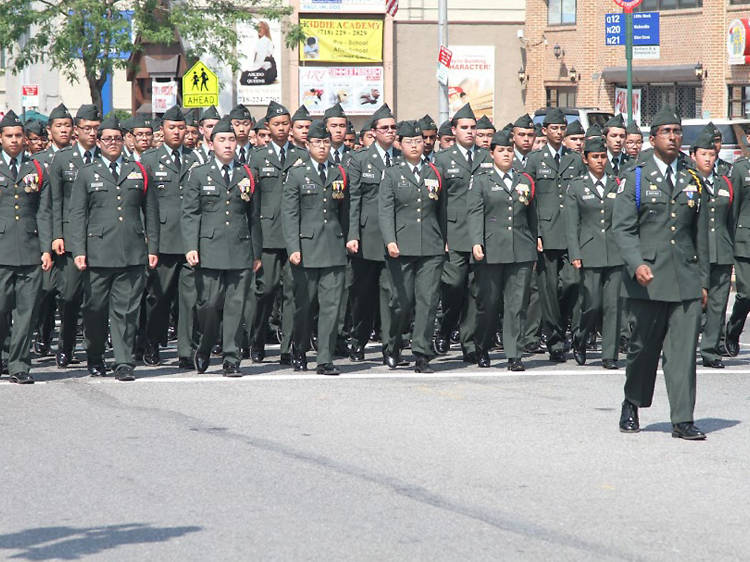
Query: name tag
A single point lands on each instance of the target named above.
(653, 193)
(723, 193)
(368, 176)
(134, 176)
(611, 195)
(268, 170)
(690, 189)
(588, 197)
(309, 187)
(486, 165)
(496, 188)
(69, 175)
(453, 170)
(161, 174)
(403, 183)
(208, 187)
(97, 184)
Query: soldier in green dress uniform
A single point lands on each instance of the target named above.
(485, 130)
(429, 135)
(615, 134)
(113, 199)
(314, 220)
(664, 245)
(301, 122)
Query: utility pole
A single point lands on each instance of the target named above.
(442, 40)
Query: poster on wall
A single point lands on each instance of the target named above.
(358, 89)
(621, 103)
(259, 54)
(471, 79)
(343, 6)
(341, 40)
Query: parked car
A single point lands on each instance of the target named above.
(586, 115)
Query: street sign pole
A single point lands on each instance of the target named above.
(629, 58)
(442, 41)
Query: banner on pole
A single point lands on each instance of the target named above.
(621, 103)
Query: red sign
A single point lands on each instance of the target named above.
(628, 5)
(444, 56)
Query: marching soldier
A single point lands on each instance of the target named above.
(429, 136)
(540, 139)
(63, 172)
(335, 120)
(485, 130)
(206, 123)
(657, 227)
(222, 239)
(446, 139)
(412, 220)
(716, 211)
(192, 135)
(301, 122)
(552, 168)
(351, 135)
(721, 167)
(313, 215)
(574, 137)
(457, 165)
(614, 135)
(143, 134)
(109, 241)
(172, 278)
(242, 123)
(633, 141)
(523, 140)
(271, 166)
(367, 135)
(25, 239)
(592, 249)
(36, 137)
(503, 229)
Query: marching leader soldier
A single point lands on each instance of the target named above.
(63, 172)
(457, 165)
(657, 227)
(593, 250)
(412, 220)
(503, 229)
(25, 238)
(114, 235)
(222, 238)
(313, 219)
(172, 278)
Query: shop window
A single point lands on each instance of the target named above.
(561, 12)
(739, 101)
(561, 97)
(658, 5)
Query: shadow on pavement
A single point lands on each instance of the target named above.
(71, 543)
(709, 425)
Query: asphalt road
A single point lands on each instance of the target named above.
(466, 464)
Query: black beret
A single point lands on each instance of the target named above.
(445, 130)
(209, 113)
(575, 128)
(334, 111)
(501, 138)
(524, 122)
(554, 117)
(595, 144)
(427, 123)
(409, 129)
(60, 112)
(464, 113)
(318, 130)
(301, 114)
(223, 126)
(616, 122)
(239, 111)
(665, 116)
(485, 124)
(89, 112)
(110, 122)
(275, 109)
(383, 112)
(174, 113)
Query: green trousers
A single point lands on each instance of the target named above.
(415, 283)
(324, 286)
(600, 301)
(20, 290)
(670, 330)
(459, 294)
(220, 309)
(558, 292)
(718, 295)
(370, 278)
(112, 294)
(70, 288)
(531, 313)
(741, 307)
(275, 275)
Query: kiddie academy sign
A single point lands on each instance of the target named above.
(341, 40)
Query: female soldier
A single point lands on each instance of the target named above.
(412, 220)
(503, 230)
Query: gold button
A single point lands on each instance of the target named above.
(17, 217)
(510, 228)
(324, 199)
(227, 212)
(119, 197)
(227, 202)
(713, 209)
(602, 211)
(325, 211)
(561, 206)
(119, 208)
(712, 219)
(510, 208)
(118, 187)
(653, 199)
(325, 221)
(419, 210)
(602, 230)
(601, 220)
(674, 215)
(17, 207)
(673, 201)
(713, 229)
(419, 200)
(16, 196)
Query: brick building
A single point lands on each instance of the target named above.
(568, 64)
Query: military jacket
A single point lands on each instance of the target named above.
(412, 211)
(551, 183)
(63, 172)
(25, 214)
(716, 210)
(314, 215)
(271, 178)
(740, 179)
(366, 169)
(114, 223)
(46, 156)
(221, 222)
(456, 178)
(589, 223)
(169, 186)
(623, 167)
(664, 233)
(503, 221)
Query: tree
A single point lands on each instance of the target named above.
(99, 33)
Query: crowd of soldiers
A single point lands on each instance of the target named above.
(529, 237)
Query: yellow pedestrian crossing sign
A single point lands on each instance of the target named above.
(200, 87)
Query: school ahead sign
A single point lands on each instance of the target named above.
(200, 87)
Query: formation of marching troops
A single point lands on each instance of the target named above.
(417, 234)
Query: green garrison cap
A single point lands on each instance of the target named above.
(275, 109)
(538, 130)
(464, 113)
(705, 139)
(383, 112)
(174, 113)
(350, 128)
(715, 130)
(36, 127)
(223, 126)
(10, 119)
(665, 116)
(318, 130)
(485, 124)
(508, 127)
(60, 112)
(616, 122)
(595, 144)
(156, 123)
(554, 117)
(190, 120)
(575, 128)
(524, 122)
(301, 114)
(445, 130)
(633, 129)
(110, 122)
(366, 126)
(409, 129)
(127, 125)
(89, 112)
(140, 121)
(334, 111)
(209, 113)
(239, 111)
(501, 138)
(426, 123)
(594, 130)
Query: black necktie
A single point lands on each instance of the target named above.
(282, 156)
(599, 186)
(670, 183)
(225, 173)
(113, 168)
(557, 159)
(616, 165)
(416, 173)
(243, 160)
(14, 169)
(387, 160)
(322, 172)
(470, 159)
(508, 181)
(176, 158)
(87, 157)
(337, 157)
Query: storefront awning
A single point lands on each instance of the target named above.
(674, 73)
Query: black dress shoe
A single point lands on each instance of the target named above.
(535, 347)
(97, 370)
(245, 352)
(484, 360)
(151, 355)
(4, 367)
(441, 345)
(124, 373)
(470, 357)
(41, 348)
(687, 430)
(515, 365)
(285, 359)
(342, 349)
(230, 369)
(328, 369)
(557, 356)
(257, 355)
(629, 418)
(713, 363)
(356, 353)
(579, 354)
(299, 362)
(62, 359)
(732, 345)
(21, 378)
(185, 363)
(609, 364)
(423, 366)
(200, 362)
(390, 360)
(624, 345)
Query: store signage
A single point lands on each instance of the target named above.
(738, 41)
(645, 29)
